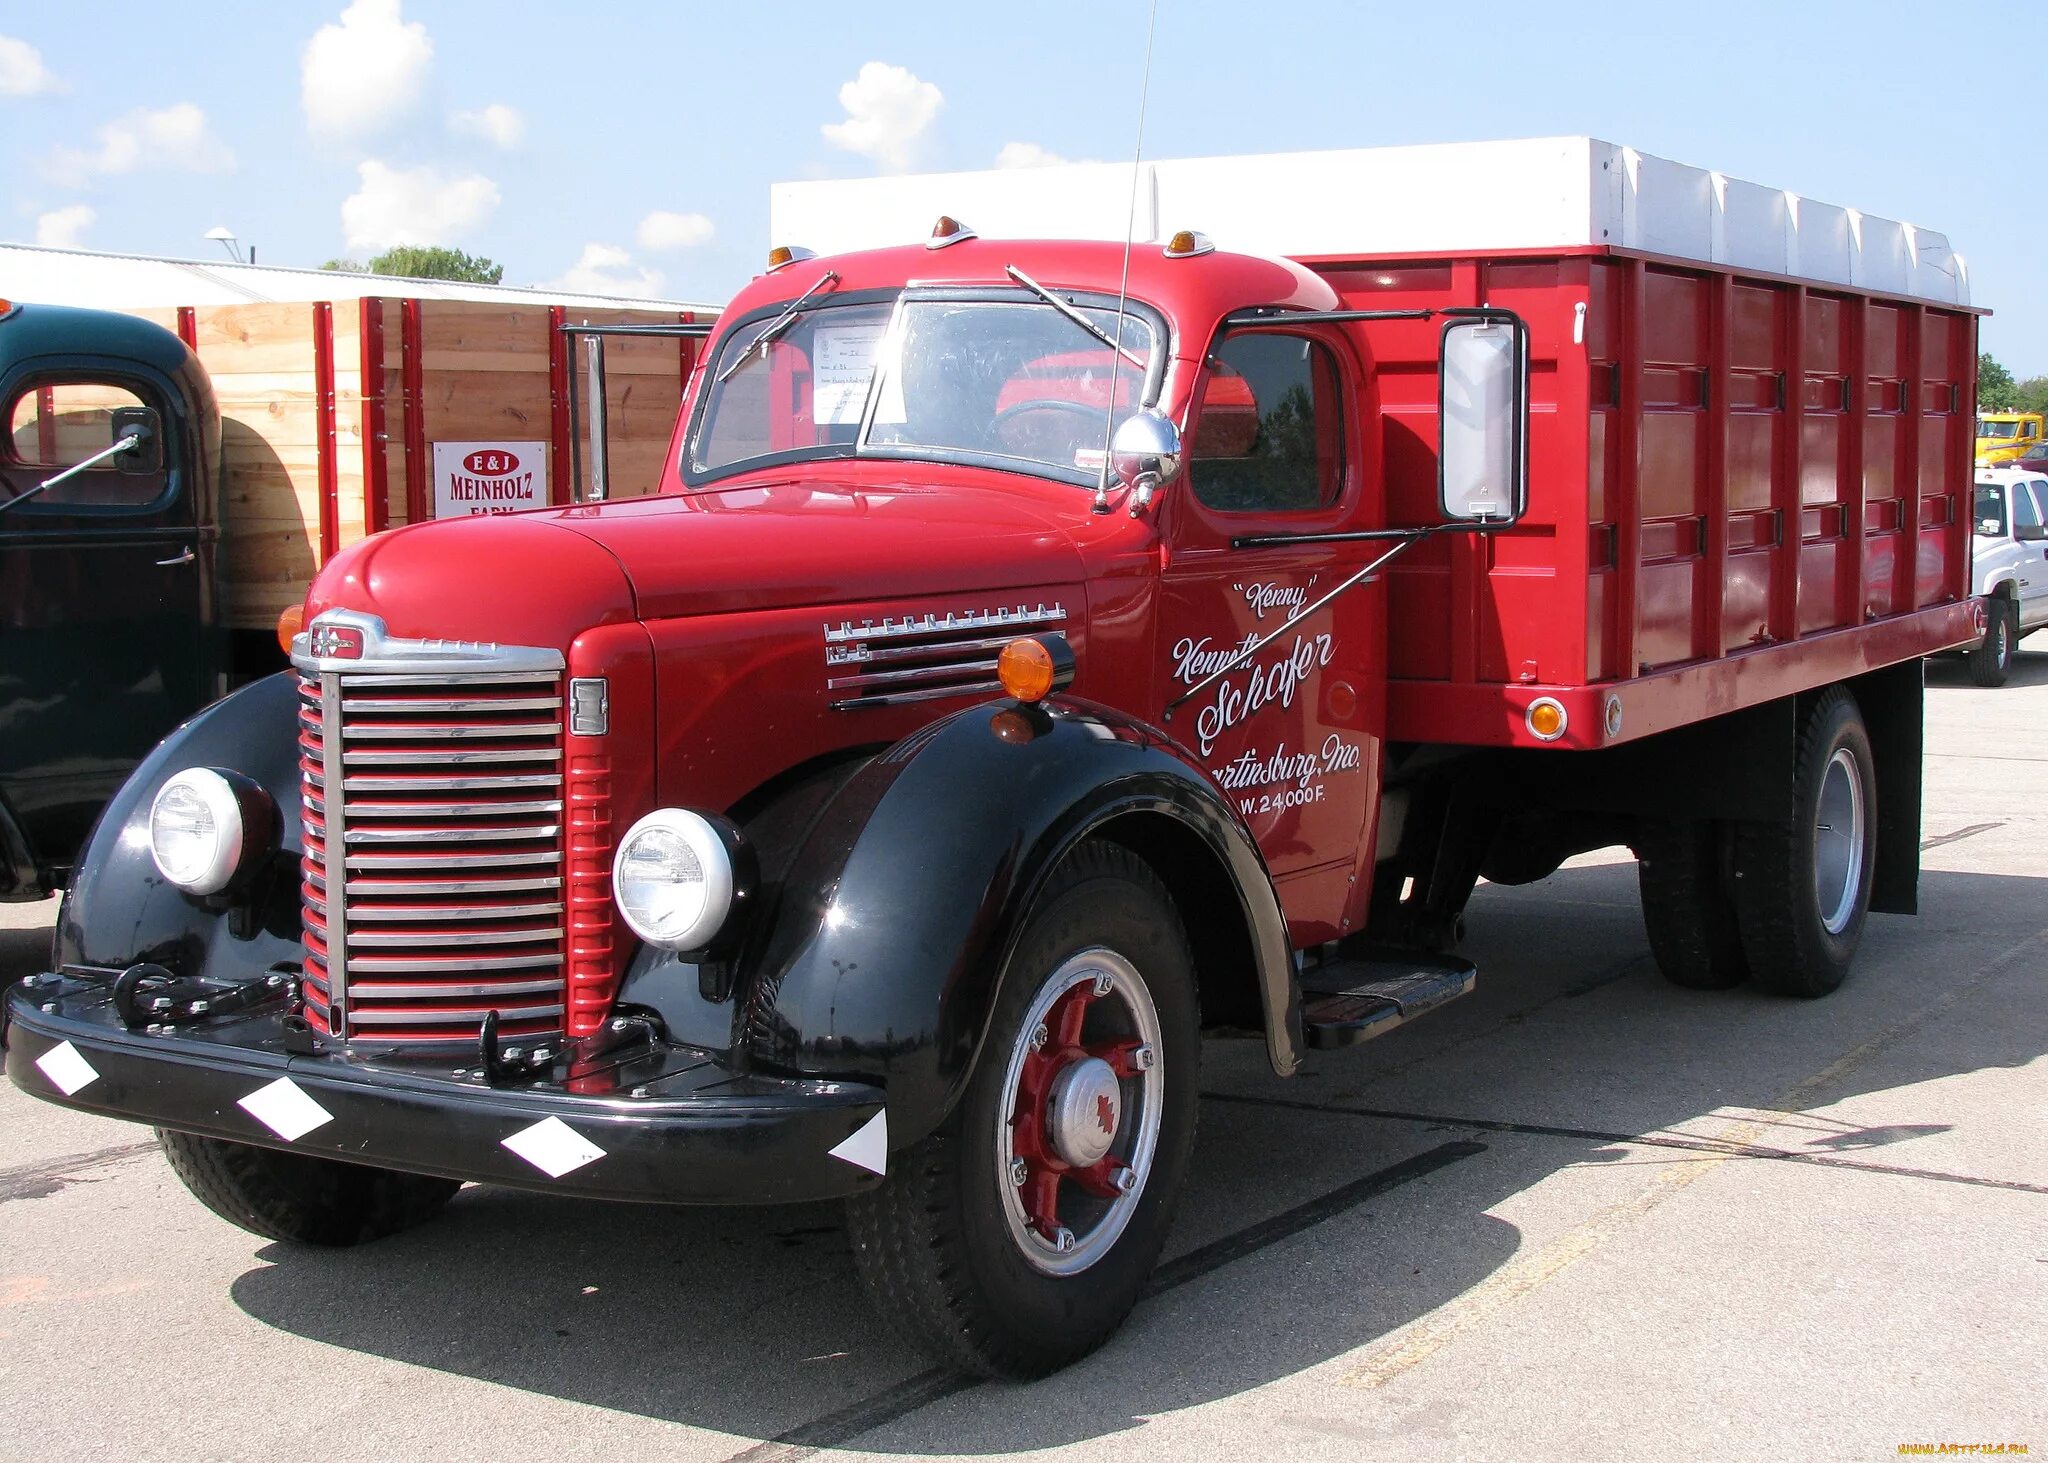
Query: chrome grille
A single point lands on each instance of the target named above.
(449, 899)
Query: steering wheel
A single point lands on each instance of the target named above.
(997, 426)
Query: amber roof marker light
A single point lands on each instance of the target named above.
(949, 230)
(1032, 667)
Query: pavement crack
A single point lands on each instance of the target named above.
(39, 1180)
(1715, 1147)
(936, 1384)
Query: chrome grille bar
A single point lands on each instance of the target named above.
(444, 792)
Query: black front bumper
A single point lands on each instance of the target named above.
(652, 1122)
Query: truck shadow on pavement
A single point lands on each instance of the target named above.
(1324, 1213)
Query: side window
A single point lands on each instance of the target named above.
(2026, 513)
(52, 425)
(1269, 437)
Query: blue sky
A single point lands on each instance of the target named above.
(632, 145)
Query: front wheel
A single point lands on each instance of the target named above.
(1016, 1238)
(1991, 662)
(299, 1197)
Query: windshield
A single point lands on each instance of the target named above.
(1990, 514)
(1997, 429)
(1007, 381)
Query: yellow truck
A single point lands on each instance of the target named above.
(2005, 436)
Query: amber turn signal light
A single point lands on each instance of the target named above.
(289, 624)
(1546, 719)
(1033, 667)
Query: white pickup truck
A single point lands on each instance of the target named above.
(2009, 565)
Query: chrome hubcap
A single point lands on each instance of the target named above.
(1086, 1107)
(1075, 1140)
(1838, 842)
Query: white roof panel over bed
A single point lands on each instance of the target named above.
(1476, 197)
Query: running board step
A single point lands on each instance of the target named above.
(1344, 1002)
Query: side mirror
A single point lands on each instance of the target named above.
(1144, 453)
(2031, 533)
(139, 424)
(1483, 418)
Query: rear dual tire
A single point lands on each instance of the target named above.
(1779, 904)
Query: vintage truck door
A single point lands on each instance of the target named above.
(103, 639)
(1293, 734)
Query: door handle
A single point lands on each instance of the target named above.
(184, 558)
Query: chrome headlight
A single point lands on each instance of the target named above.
(198, 830)
(673, 879)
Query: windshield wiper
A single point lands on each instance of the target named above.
(777, 326)
(1074, 315)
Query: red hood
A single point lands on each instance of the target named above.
(785, 545)
(515, 580)
(539, 578)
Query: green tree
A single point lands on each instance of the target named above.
(1996, 390)
(345, 266)
(419, 261)
(2032, 395)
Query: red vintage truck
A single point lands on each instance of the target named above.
(1038, 653)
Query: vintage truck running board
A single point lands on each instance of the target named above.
(1344, 1002)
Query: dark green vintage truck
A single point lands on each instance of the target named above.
(109, 632)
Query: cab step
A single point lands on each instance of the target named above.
(1344, 1002)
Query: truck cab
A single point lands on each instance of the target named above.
(106, 564)
(2007, 436)
(1041, 652)
(2009, 565)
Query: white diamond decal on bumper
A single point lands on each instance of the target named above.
(868, 1148)
(286, 1109)
(553, 1147)
(67, 1068)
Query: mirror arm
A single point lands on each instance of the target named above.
(128, 443)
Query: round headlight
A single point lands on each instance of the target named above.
(673, 879)
(195, 831)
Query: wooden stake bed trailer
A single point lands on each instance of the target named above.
(329, 410)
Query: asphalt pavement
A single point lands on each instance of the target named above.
(1580, 1214)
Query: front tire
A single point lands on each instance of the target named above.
(1802, 889)
(1991, 662)
(1016, 1238)
(300, 1198)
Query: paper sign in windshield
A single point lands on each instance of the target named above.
(842, 360)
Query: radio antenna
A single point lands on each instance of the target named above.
(1123, 289)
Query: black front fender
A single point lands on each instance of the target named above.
(120, 910)
(899, 914)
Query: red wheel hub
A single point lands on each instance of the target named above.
(1068, 1106)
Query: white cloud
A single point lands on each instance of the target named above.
(496, 123)
(887, 112)
(60, 227)
(1031, 155)
(358, 77)
(664, 230)
(1027, 155)
(172, 137)
(420, 205)
(606, 269)
(22, 73)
